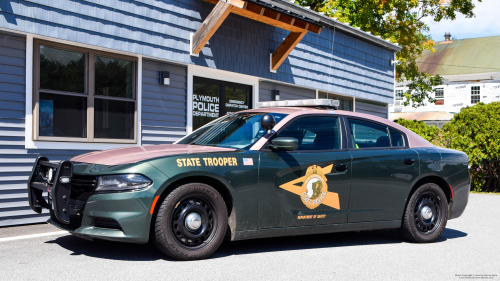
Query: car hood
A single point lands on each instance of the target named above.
(135, 154)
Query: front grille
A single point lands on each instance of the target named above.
(81, 189)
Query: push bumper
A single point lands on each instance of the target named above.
(75, 206)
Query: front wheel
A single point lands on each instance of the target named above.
(426, 215)
(191, 222)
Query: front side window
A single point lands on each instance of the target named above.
(368, 135)
(315, 133)
(239, 131)
(83, 95)
(475, 94)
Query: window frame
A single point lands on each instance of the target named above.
(265, 147)
(401, 96)
(478, 94)
(89, 89)
(349, 138)
(439, 98)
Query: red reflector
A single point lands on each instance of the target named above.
(154, 204)
(452, 195)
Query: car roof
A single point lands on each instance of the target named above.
(413, 139)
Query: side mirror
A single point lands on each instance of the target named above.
(288, 144)
(267, 122)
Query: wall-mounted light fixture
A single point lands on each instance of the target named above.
(164, 78)
(276, 94)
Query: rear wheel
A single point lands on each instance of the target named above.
(191, 222)
(426, 214)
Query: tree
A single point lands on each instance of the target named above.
(476, 131)
(400, 21)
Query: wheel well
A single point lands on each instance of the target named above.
(436, 180)
(219, 186)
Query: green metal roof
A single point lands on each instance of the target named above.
(466, 56)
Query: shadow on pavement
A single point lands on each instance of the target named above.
(147, 252)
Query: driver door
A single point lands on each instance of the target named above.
(308, 186)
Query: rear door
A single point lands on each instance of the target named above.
(383, 168)
(309, 186)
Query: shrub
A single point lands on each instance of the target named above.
(432, 134)
(476, 131)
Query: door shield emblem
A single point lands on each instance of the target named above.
(314, 189)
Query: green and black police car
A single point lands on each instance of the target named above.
(286, 168)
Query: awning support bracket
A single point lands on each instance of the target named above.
(298, 28)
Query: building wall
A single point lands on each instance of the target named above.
(16, 161)
(161, 29)
(286, 92)
(369, 107)
(457, 95)
(163, 107)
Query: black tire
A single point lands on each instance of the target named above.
(172, 234)
(416, 225)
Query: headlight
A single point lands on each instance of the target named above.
(129, 182)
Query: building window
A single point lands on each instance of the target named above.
(83, 95)
(439, 96)
(346, 103)
(475, 94)
(214, 98)
(399, 94)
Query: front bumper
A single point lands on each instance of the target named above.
(117, 216)
(130, 211)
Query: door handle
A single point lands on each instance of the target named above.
(408, 161)
(341, 167)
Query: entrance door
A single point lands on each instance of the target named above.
(215, 98)
(309, 186)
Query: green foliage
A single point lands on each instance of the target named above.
(476, 131)
(400, 22)
(429, 133)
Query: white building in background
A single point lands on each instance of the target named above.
(471, 70)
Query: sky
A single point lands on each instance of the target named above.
(486, 23)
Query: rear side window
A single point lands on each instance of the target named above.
(368, 135)
(315, 133)
(396, 138)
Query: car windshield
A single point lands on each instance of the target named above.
(240, 131)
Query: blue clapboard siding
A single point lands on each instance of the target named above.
(286, 92)
(161, 29)
(16, 161)
(368, 107)
(163, 107)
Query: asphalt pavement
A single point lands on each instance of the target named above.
(468, 249)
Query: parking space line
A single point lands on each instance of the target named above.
(32, 236)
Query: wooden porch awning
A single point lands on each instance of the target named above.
(298, 27)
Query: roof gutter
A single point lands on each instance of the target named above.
(330, 22)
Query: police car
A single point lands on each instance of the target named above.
(287, 168)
